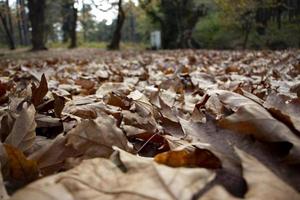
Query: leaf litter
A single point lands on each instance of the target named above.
(147, 125)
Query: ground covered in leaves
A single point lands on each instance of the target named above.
(91, 124)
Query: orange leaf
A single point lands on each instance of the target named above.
(19, 167)
(185, 158)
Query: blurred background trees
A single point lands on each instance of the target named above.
(176, 20)
(6, 19)
(213, 24)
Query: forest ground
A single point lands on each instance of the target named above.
(211, 124)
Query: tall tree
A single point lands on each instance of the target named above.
(22, 22)
(37, 18)
(5, 16)
(115, 42)
(69, 13)
(177, 19)
(86, 20)
(73, 33)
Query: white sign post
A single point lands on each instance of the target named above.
(155, 40)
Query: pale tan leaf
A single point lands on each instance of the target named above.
(263, 183)
(108, 87)
(217, 193)
(23, 133)
(124, 177)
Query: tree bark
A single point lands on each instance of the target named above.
(115, 42)
(19, 19)
(37, 19)
(7, 24)
(73, 35)
(24, 24)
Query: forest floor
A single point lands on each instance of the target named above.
(159, 125)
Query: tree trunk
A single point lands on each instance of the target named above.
(37, 19)
(10, 39)
(7, 24)
(19, 19)
(66, 24)
(24, 24)
(73, 35)
(115, 42)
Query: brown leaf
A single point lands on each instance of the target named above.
(19, 167)
(284, 109)
(51, 157)
(3, 192)
(91, 110)
(149, 144)
(59, 104)
(134, 119)
(125, 176)
(38, 93)
(95, 138)
(48, 126)
(262, 183)
(255, 120)
(189, 158)
(3, 89)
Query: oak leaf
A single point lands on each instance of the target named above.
(125, 176)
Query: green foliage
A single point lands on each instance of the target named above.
(212, 32)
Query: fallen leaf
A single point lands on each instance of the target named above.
(51, 157)
(95, 138)
(189, 158)
(124, 177)
(19, 168)
(106, 88)
(284, 109)
(256, 121)
(149, 144)
(23, 134)
(38, 93)
(3, 192)
(59, 104)
(263, 183)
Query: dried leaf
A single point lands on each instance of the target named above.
(3, 192)
(19, 168)
(284, 109)
(51, 157)
(23, 134)
(95, 138)
(126, 177)
(59, 104)
(262, 183)
(106, 88)
(38, 93)
(186, 158)
(254, 120)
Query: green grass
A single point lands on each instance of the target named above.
(98, 45)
